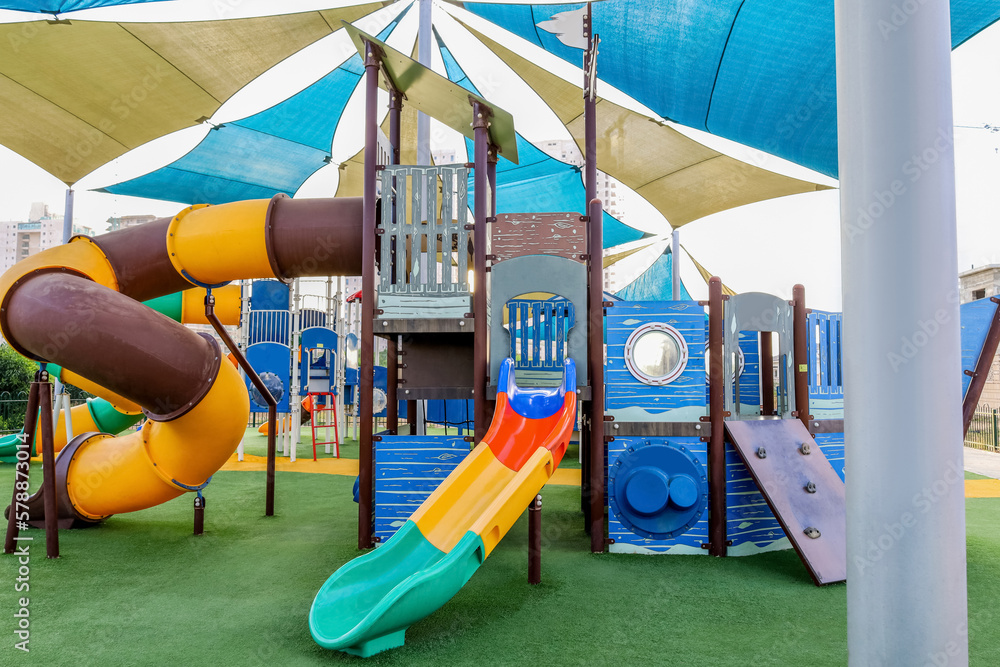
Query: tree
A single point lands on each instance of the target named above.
(16, 372)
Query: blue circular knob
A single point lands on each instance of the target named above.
(683, 491)
(647, 490)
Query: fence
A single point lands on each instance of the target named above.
(12, 409)
(983, 432)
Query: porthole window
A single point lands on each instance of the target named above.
(656, 354)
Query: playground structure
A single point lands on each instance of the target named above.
(709, 446)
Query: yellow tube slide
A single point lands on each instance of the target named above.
(77, 305)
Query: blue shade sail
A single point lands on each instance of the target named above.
(655, 283)
(61, 6)
(538, 183)
(761, 73)
(259, 156)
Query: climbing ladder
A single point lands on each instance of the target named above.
(326, 406)
(801, 488)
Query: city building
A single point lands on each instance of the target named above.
(43, 229)
(979, 283)
(126, 221)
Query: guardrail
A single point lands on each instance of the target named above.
(983, 431)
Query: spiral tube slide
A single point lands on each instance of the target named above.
(78, 306)
(101, 415)
(366, 606)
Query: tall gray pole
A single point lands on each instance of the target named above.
(675, 265)
(424, 36)
(68, 217)
(906, 583)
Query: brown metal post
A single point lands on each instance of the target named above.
(392, 382)
(491, 177)
(48, 466)
(717, 537)
(481, 115)
(982, 371)
(800, 355)
(199, 515)
(766, 375)
(411, 416)
(272, 404)
(595, 373)
(366, 365)
(535, 541)
(30, 423)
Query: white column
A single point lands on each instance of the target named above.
(295, 428)
(906, 590)
(424, 37)
(675, 264)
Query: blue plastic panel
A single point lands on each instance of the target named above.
(623, 391)
(407, 470)
(976, 317)
(271, 358)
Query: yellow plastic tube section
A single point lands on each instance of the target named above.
(109, 475)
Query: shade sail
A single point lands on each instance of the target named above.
(262, 155)
(683, 179)
(761, 73)
(538, 183)
(655, 283)
(78, 94)
(62, 6)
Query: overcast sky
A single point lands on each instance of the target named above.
(767, 246)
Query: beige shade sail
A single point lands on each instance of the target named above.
(682, 178)
(77, 94)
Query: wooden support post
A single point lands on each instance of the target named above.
(48, 466)
(800, 355)
(717, 538)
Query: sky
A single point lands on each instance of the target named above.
(768, 246)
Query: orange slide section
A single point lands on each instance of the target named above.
(78, 306)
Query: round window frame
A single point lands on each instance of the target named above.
(645, 378)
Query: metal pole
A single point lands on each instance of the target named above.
(424, 36)
(800, 355)
(68, 216)
(48, 466)
(906, 593)
(199, 514)
(481, 115)
(535, 541)
(295, 393)
(595, 372)
(717, 537)
(366, 365)
(272, 405)
(675, 265)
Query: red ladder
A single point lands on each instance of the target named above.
(329, 405)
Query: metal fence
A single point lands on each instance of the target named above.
(12, 409)
(983, 432)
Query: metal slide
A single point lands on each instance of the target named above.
(78, 306)
(367, 605)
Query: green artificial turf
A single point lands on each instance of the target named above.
(972, 475)
(141, 590)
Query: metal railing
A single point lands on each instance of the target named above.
(269, 326)
(983, 432)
